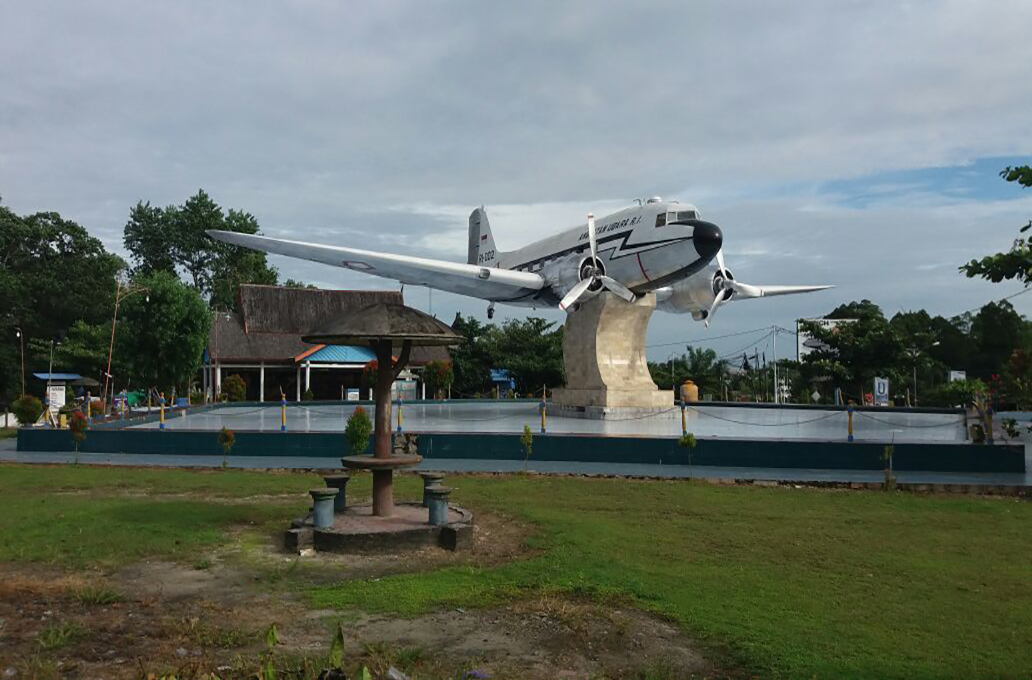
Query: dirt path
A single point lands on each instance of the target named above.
(155, 618)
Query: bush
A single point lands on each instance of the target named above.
(78, 425)
(357, 431)
(309, 395)
(196, 398)
(234, 388)
(226, 439)
(27, 409)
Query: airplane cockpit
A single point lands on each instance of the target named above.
(676, 215)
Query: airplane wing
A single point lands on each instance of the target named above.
(745, 291)
(464, 279)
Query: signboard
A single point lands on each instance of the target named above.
(958, 375)
(56, 398)
(805, 343)
(353, 394)
(881, 391)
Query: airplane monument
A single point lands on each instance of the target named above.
(609, 276)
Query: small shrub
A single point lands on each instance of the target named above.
(78, 426)
(58, 635)
(27, 409)
(1010, 427)
(226, 438)
(309, 395)
(890, 479)
(92, 596)
(358, 430)
(687, 442)
(527, 440)
(234, 388)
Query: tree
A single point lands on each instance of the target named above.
(996, 331)
(52, 273)
(853, 354)
(167, 330)
(175, 239)
(472, 360)
(1015, 263)
(234, 388)
(701, 366)
(530, 350)
(438, 377)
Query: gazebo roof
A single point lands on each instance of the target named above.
(386, 321)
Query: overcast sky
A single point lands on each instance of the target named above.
(847, 143)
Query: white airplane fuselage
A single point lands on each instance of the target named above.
(647, 248)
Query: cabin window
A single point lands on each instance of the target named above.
(660, 219)
(686, 215)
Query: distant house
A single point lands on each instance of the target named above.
(262, 344)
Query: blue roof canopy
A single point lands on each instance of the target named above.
(57, 376)
(341, 354)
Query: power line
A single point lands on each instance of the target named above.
(703, 341)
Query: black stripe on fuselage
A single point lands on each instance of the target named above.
(585, 247)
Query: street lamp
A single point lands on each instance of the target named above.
(21, 337)
(119, 295)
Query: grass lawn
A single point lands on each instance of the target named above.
(8, 432)
(777, 581)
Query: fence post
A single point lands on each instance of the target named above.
(849, 410)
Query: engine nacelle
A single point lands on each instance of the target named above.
(694, 294)
(562, 275)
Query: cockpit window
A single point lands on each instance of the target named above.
(660, 219)
(686, 215)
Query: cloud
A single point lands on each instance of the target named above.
(384, 124)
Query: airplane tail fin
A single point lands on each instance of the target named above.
(481, 243)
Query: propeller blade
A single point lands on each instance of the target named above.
(744, 290)
(717, 301)
(720, 263)
(591, 238)
(575, 293)
(618, 288)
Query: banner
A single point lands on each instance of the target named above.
(881, 391)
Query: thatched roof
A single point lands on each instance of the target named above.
(273, 309)
(273, 319)
(386, 321)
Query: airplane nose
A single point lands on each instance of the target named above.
(707, 238)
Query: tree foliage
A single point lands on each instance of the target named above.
(438, 376)
(52, 274)
(174, 239)
(1015, 263)
(167, 330)
(699, 365)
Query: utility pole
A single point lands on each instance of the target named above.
(21, 336)
(114, 320)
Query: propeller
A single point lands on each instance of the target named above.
(728, 287)
(594, 275)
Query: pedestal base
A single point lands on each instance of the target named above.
(604, 356)
(603, 404)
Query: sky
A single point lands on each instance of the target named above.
(853, 143)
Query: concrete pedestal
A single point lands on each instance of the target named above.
(604, 355)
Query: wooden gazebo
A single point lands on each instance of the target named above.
(384, 326)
